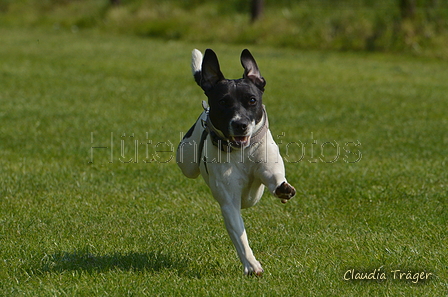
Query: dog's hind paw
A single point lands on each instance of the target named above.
(285, 192)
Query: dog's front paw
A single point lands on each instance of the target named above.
(285, 192)
(254, 269)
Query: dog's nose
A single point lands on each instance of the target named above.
(239, 127)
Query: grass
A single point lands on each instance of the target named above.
(70, 227)
(345, 25)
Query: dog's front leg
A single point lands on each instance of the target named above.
(272, 172)
(235, 227)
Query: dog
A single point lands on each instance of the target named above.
(231, 146)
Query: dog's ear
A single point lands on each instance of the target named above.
(211, 73)
(251, 71)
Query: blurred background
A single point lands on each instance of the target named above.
(413, 26)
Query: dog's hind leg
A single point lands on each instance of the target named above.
(188, 151)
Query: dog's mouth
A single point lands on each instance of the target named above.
(240, 141)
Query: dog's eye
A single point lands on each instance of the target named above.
(252, 101)
(223, 102)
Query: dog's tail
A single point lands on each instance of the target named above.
(196, 65)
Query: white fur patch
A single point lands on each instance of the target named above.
(196, 61)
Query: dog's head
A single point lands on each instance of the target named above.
(236, 107)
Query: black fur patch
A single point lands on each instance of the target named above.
(190, 132)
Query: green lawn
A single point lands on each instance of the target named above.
(70, 227)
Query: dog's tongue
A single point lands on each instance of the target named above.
(240, 140)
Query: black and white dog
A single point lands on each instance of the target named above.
(231, 146)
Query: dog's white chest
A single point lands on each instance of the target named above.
(236, 172)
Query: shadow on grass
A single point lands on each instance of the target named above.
(86, 261)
